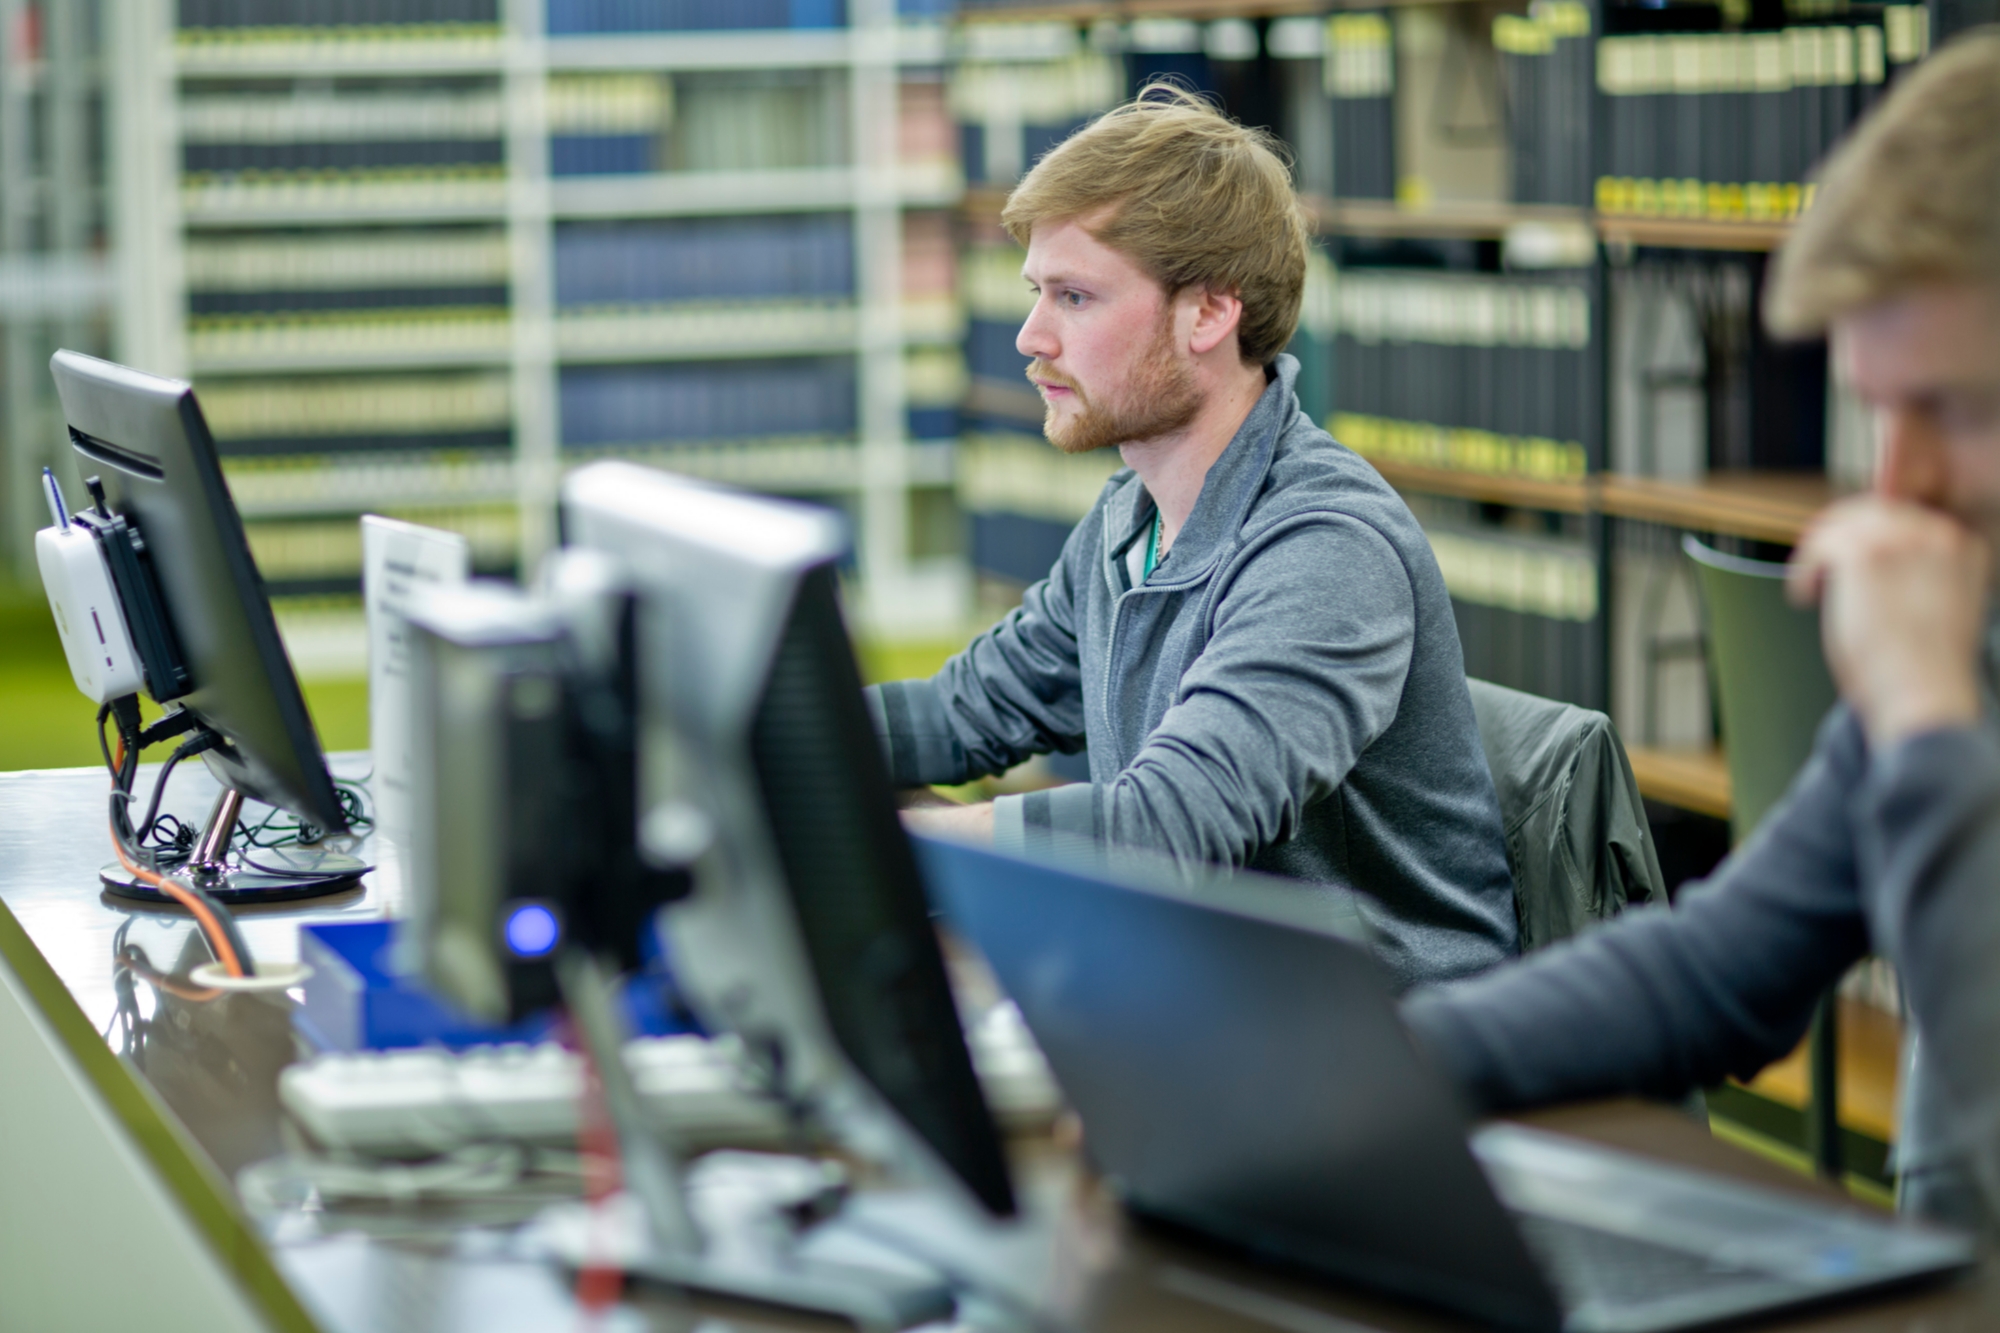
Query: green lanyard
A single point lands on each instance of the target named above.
(1153, 548)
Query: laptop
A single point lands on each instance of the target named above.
(1241, 1073)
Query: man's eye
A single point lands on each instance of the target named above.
(1073, 300)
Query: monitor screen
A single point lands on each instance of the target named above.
(145, 437)
(854, 883)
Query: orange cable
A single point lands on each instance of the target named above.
(217, 939)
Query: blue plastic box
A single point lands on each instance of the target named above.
(355, 1002)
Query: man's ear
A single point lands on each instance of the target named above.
(1217, 316)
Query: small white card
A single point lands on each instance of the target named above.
(397, 560)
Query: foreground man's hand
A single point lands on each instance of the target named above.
(967, 823)
(1902, 596)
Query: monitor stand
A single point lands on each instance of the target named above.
(257, 875)
(759, 1260)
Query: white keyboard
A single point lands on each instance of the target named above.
(429, 1100)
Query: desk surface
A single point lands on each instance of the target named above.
(214, 1067)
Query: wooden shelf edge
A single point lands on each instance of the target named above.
(1740, 505)
(1696, 780)
(1567, 497)
(1771, 507)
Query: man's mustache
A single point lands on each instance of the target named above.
(1041, 371)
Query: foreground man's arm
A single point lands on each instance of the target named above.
(1890, 836)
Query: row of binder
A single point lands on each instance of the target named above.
(583, 16)
(318, 408)
(1465, 310)
(1510, 357)
(210, 159)
(589, 103)
(332, 260)
(1552, 579)
(315, 549)
(1734, 108)
(1459, 449)
(693, 259)
(646, 404)
(331, 13)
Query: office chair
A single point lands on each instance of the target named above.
(1577, 844)
(1771, 689)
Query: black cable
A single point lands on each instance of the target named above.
(159, 790)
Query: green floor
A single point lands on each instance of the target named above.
(45, 723)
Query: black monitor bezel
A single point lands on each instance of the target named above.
(106, 406)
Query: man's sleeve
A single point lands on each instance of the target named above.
(1927, 829)
(1662, 1001)
(1304, 667)
(1013, 692)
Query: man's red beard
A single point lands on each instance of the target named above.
(1160, 398)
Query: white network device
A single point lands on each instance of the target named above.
(89, 616)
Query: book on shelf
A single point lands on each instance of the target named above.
(1546, 62)
(1359, 72)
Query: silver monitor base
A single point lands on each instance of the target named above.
(744, 1246)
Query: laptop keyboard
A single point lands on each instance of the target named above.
(1590, 1266)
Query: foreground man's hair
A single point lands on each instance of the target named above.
(1911, 199)
(1193, 198)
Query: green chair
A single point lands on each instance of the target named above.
(1771, 691)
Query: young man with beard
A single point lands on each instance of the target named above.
(1889, 840)
(1248, 632)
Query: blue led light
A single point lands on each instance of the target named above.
(532, 930)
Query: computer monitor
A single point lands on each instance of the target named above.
(144, 436)
(809, 934)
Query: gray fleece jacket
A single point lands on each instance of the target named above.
(1285, 693)
(1897, 852)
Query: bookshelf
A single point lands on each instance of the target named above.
(424, 267)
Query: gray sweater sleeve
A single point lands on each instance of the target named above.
(1660, 1001)
(1304, 668)
(1014, 691)
(1927, 829)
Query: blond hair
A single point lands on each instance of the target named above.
(1911, 199)
(1195, 199)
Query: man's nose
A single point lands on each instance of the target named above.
(1035, 338)
(1909, 460)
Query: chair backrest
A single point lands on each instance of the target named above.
(1577, 842)
(1771, 683)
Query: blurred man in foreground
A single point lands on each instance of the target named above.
(1889, 841)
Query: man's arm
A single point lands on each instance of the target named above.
(1304, 667)
(1013, 692)
(1658, 1002)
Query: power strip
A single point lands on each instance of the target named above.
(429, 1100)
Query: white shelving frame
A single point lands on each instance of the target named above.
(155, 215)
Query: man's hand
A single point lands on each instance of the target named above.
(967, 823)
(1902, 597)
